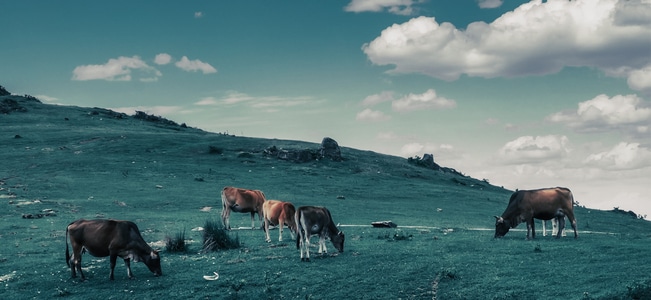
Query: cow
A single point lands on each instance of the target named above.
(110, 238)
(278, 213)
(316, 220)
(555, 227)
(543, 204)
(242, 201)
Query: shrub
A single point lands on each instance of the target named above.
(176, 243)
(216, 237)
(215, 150)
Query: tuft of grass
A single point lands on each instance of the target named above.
(176, 243)
(216, 237)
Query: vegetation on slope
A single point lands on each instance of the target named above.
(61, 163)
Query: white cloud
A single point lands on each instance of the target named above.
(207, 101)
(531, 150)
(163, 59)
(378, 98)
(627, 112)
(439, 151)
(46, 98)
(427, 100)
(640, 80)
(152, 110)
(195, 65)
(371, 115)
(116, 69)
(398, 7)
(624, 156)
(591, 33)
(198, 14)
(490, 3)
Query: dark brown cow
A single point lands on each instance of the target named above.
(316, 220)
(242, 201)
(543, 204)
(278, 213)
(111, 238)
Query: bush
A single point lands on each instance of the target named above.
(176, 243)
(216, 237)
(215, 150)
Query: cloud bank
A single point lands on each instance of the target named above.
(536, 38)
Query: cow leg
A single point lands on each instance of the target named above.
(531, 229)
(113, 259)
(280, 231)
(127, 262)
(570, 216)
(559, 227)
(253, 220)
(305, 246)
(266, 230)
(555, 226)
(226, 213)
(75, 262)
(322, 245)
(544, 230)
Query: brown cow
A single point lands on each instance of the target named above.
(242, 201)
(316, 220)
(278, 213)
(543, 204)
(111, 238)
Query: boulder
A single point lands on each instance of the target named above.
(330, 149)
(428, 162)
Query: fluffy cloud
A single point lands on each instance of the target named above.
(378, 98)
(490, 3)
(624, 156)
(399, 7)
(163, 59)
(419, 149)
(371, 115)
(198, 15)
(640, 80)
(530, 149)
(606, 34)
(195, 65)
(117, 69)
(427, 100)
(628, 113)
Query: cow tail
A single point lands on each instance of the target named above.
(67, 251)
(299, 234)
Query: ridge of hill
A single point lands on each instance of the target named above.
(101, 146)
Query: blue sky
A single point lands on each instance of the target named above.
(523, 94)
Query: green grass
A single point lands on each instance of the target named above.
(164, 177)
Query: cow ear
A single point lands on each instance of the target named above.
(154, 254)
(499, 219)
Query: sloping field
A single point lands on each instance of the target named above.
(63, 163)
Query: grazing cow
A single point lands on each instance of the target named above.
(315, 220)
(278, 213)
(543, 204)
(242, 201)
(111, 238)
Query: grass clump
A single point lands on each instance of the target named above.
(216, 237)
(176, 243)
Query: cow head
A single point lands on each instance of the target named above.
(501, 227)
(152, 260)
(338, 241)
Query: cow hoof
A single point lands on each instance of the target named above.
(268, 241)
(305, 259)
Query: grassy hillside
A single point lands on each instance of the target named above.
(64, 163)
